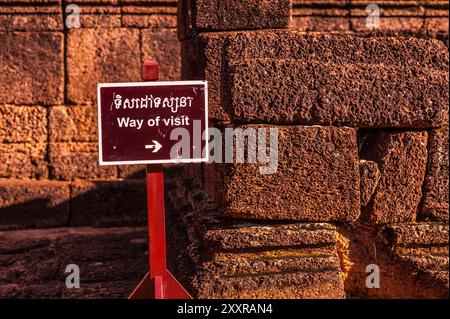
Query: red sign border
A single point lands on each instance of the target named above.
(159, 83)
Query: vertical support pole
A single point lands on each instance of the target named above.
(155, 208)
(156, 220)
(159, 283)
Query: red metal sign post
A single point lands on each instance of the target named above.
(159, 283)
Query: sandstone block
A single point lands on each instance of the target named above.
(421, 250)
(99, 56)
(77, 160)
(370, 175)
(23, 124)
(436, 23)
(38, 15)
(388, 23)
(402, 160)
(292, 285)
(222, 258)
(163, 46)
(97, 13)
(319, 23)
(307, 92)
(419, 234)
(320, 16)
(138, 14)
(27, 204)
(23, 160)
(215, 15)
(317, 179)
(247, 236)
(33, 68)
(209, 55)
(435, 197)
(73, 123)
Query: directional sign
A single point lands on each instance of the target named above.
(153, 122)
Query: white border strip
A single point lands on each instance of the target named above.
(141, 84)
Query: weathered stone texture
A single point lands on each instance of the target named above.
(317, 179)
(316, 57)
(23, 160)
(23, 124)
(29, 204)
(370, 175)
(402, 158)
(293, 91)
(77, 160)
(232, 259)
(246, 236)
(421, 250)
(32, 68)
(99, 56)
(139, 14)
(73, 123)
(40, 15)
(435, 198)
(163, 47)
(96, 13)
(419, 234)
(220, 15)
(320, 16)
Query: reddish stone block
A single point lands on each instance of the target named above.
(96, 13)
(419, 234)
(320, 23)
(317, 179)
(247, 236)
(163, 47)
(388, 23)
(436, 23)
(402, 160)
(209, 55)
(23, 160)
(39, 15)
(138, 14)
(29, 204)
(202, 59)
(214, 15)
(435, 198)
(421, 251)
(77, 160)
(100, 56)
(370, 175)
(308, 92)
(73, 123)
(289, 285)
(33, 68)
(23, 124)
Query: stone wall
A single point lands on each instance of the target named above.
(362, 120)
(49, 176)
(377, 152)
